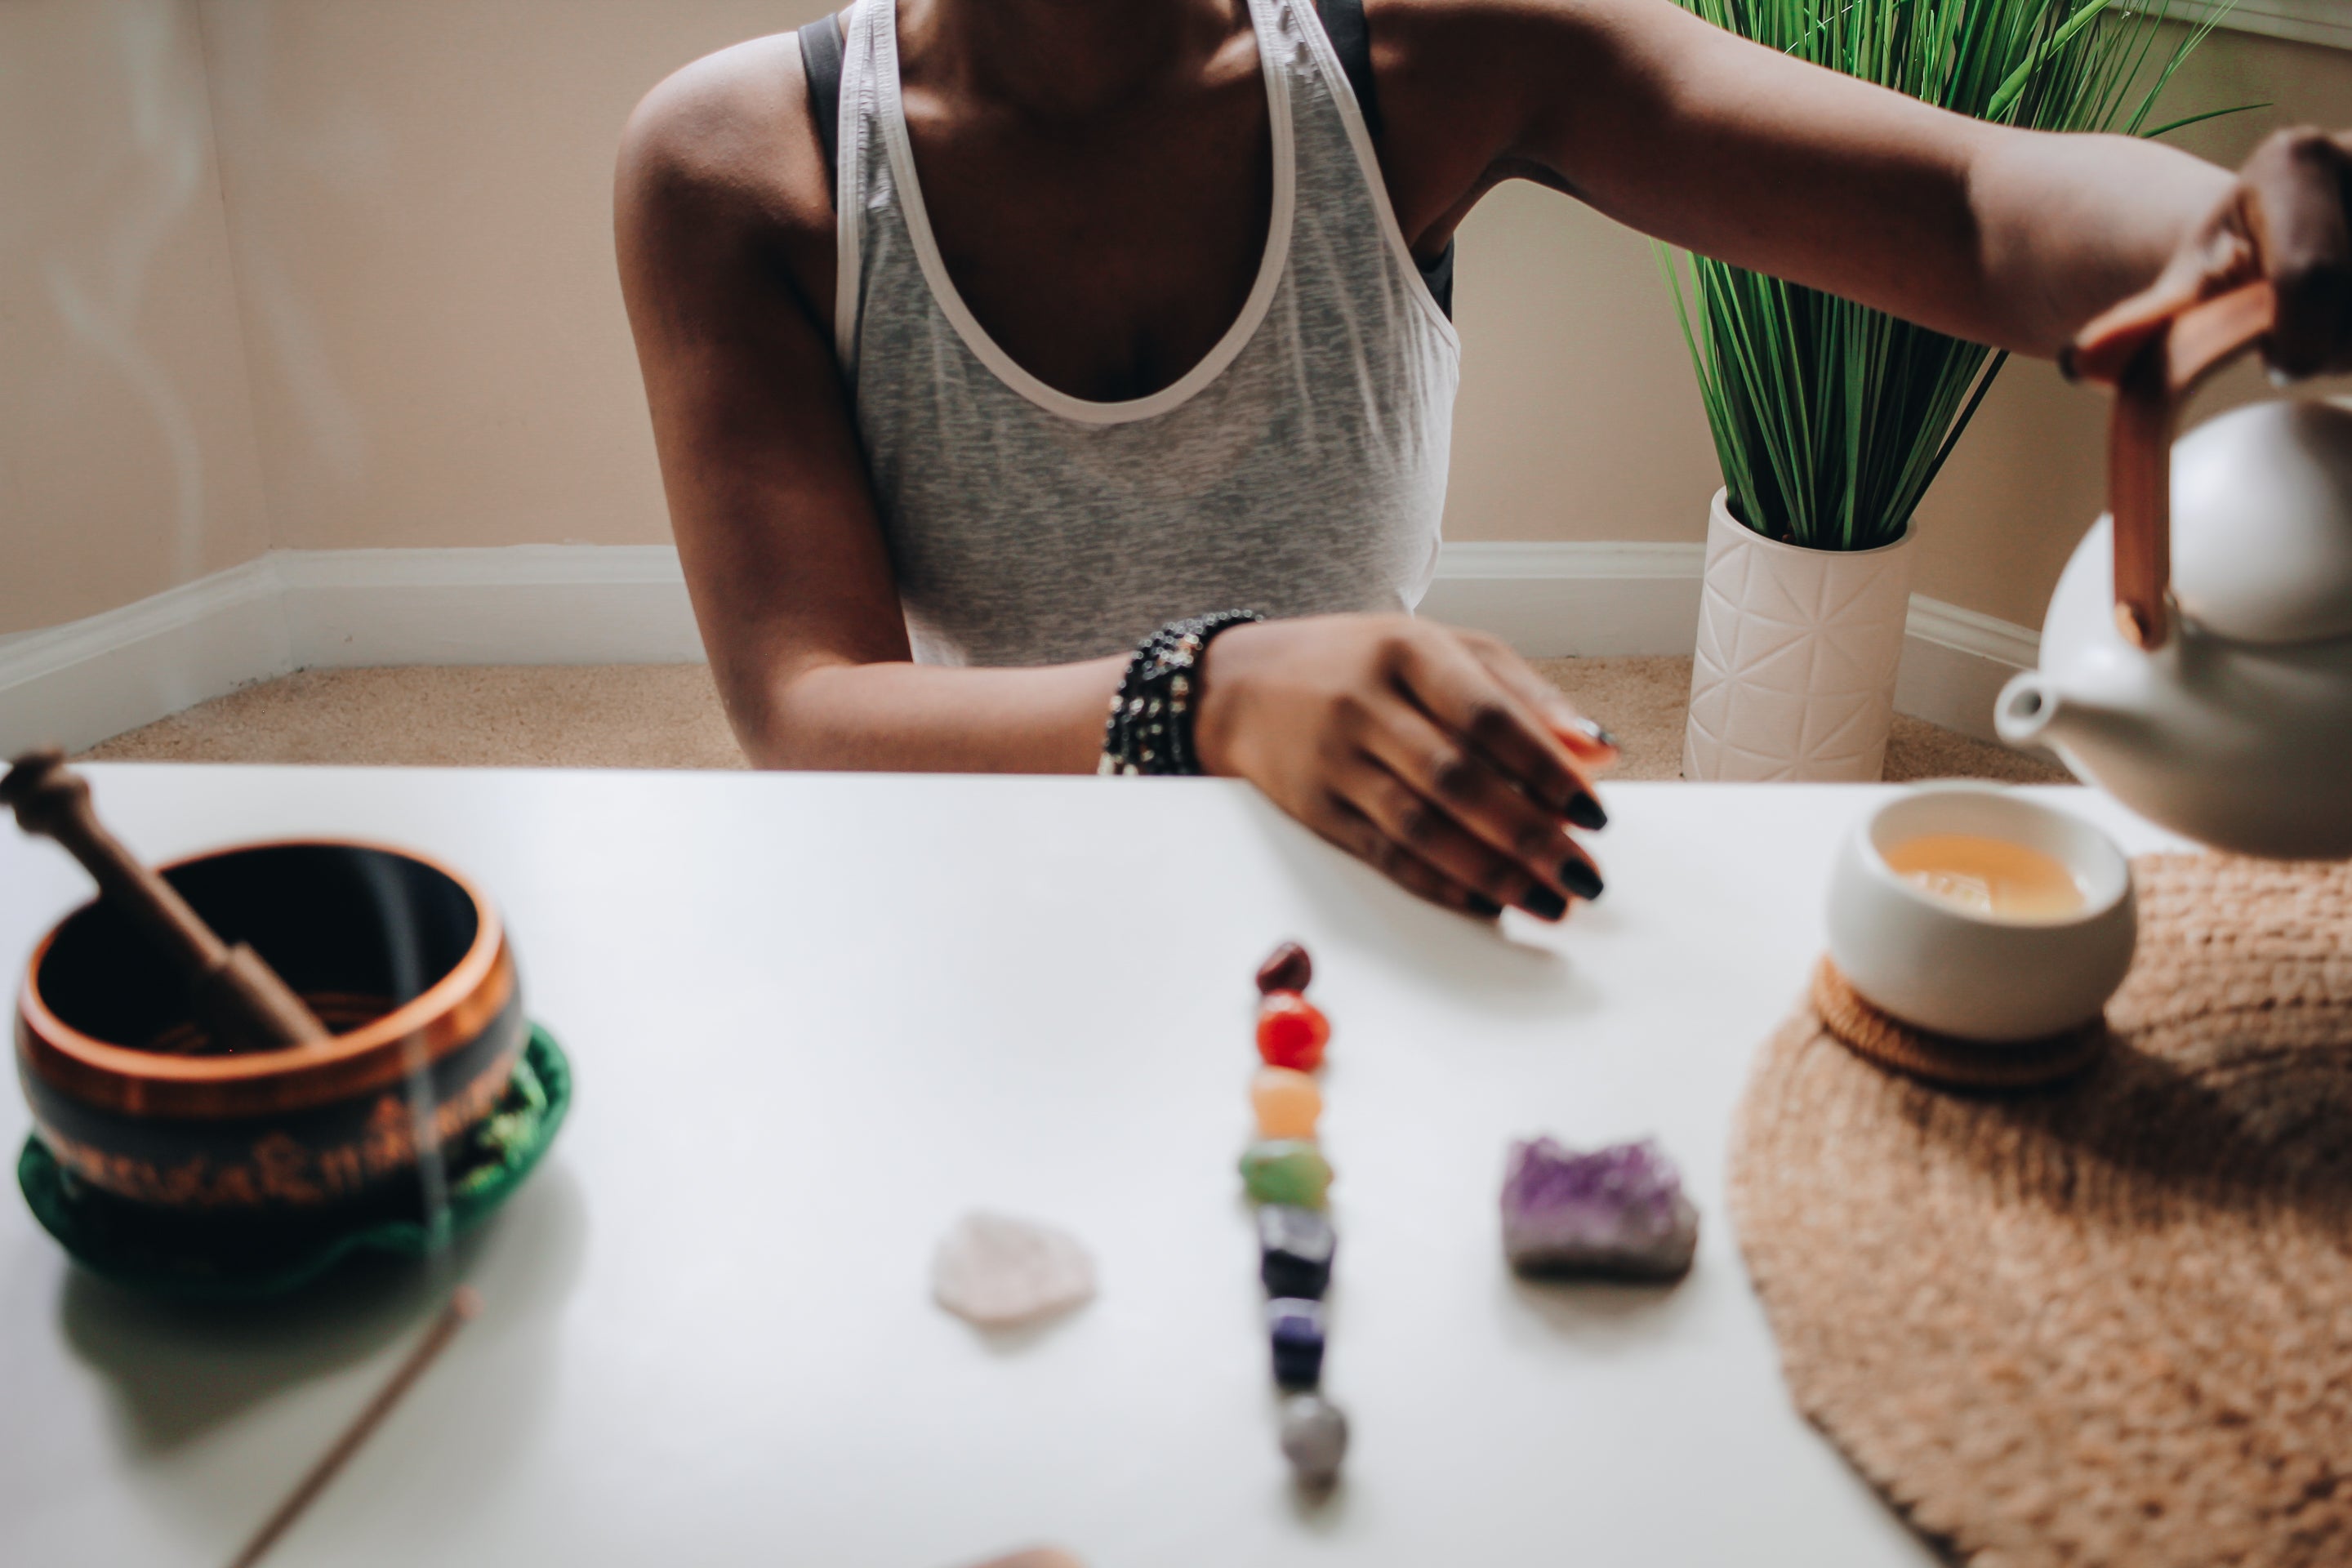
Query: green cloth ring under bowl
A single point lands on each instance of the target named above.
(167, 1254)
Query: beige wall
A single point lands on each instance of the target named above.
(127, 456)
(421, 193)
(417, 200)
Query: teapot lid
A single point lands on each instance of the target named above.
(2261, 522)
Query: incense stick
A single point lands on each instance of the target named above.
(464, 1303)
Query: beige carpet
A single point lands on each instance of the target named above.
(667, 716)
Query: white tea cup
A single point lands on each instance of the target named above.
(1971, 973)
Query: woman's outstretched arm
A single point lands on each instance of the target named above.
(1682, 130)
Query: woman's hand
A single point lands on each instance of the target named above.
(2284, 220)
(1436, 754)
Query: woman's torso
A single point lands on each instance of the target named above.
(1297, 469)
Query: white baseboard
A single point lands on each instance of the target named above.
(535, 603)
(83, 683)
(79, 684)
(1956, 661)
(1560, 601)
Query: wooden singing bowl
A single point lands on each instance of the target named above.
(404, 959)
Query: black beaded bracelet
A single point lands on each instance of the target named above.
(1151, 725)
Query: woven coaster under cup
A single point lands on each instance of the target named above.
(2107, 1322)
(1940, 1058)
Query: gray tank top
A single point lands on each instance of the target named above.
(1299, 469)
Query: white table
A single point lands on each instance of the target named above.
(813, 1019)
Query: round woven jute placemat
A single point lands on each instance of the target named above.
(2107, 1320)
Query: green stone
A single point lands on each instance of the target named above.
(1286, 1170)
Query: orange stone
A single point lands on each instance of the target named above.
(1287, 1103)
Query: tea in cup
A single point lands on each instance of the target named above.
(1994, 877)
(1974, 913)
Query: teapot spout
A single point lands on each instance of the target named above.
(2026, 708)
(2032, 712)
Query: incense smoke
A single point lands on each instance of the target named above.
(100, 301)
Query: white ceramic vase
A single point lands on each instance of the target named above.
(1793, 679)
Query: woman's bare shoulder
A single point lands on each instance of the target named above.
(730, 136)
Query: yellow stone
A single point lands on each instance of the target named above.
(1287, 1103)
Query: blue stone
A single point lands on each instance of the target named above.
(1296, 1328)
(1294, 1248)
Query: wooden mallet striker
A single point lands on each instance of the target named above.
(237, 995)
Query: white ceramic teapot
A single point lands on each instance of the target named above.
(2222, 709)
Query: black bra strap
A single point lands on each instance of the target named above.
(1439, 276)
(1351, 40)
(820, 63)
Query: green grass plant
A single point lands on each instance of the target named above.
(1831, 419)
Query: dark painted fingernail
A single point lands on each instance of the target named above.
(1543, 903)
(1580, 878)
(1592, 730)
(1485, 909)
(1586, 813)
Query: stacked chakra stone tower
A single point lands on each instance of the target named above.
(1287, 1177)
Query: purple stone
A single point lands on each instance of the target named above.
(1296, 1328)
(1617, 1212)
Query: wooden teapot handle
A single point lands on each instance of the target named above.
(238, 995)
(2151, 385)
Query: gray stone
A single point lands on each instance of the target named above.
(1314, 1438)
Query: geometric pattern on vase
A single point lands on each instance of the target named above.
(1792, 680)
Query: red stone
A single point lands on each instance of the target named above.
(1291, 1031)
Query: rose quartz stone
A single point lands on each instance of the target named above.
(995, 1270)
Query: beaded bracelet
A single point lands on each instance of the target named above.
(1150, 726)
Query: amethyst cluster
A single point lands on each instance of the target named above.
(1617, 1212)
